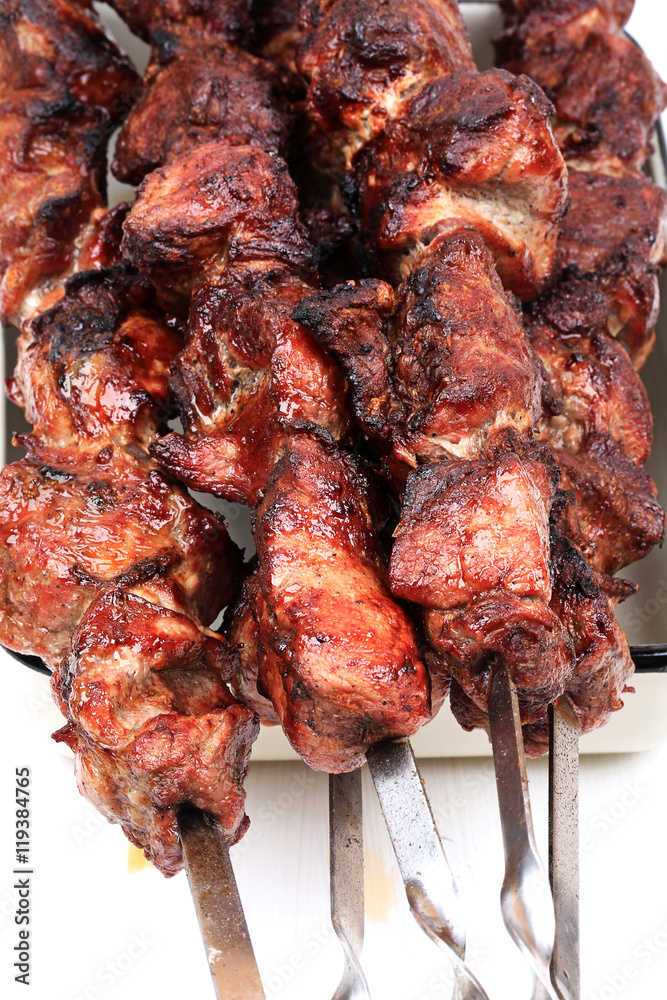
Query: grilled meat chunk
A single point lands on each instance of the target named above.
(196, 92)
(248, 374)
(72, 522)
(472, 548)
(222, 20)
(616, 518)
(606, 92)
(363, 62)
(611, 245)
(95, 367)
(568, 14)
(64, 87)
(597, 391)
(243, 630)
(339, 657)
(151, 721)
(211, 207)
(475, 150)
(441, 367)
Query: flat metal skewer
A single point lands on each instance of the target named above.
(525, 899)
(346, 876)
(564, 846)
(216, 897)
(427, 877)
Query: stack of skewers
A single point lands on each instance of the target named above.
(410, 400)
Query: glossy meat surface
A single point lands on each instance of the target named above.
(63, 87)
(222, 20)
(248, 375)
(340, 660)
(195, 93)
(472, 548)
(597, 391)
(363, 62)
(95, 367)
(442, 366)
(151, 721)
(475, 150)
(210, 207)
(616, 518)
(244, 632)
(606, 92)
(72, 523)
(611, 245)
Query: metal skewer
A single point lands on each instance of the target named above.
(346, 873)
(427, 877)
(525, 899)
(564, 846)
(216, 897)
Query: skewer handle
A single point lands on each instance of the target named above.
(346, 874)
(216, 897)
(525, 899)
(564, 846)
(427, 877)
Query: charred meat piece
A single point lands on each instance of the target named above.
(568, 14)
(471, 150)
(611, 245)
(243, 631)
(64, 87)
(72, 523)
(466, 376)
(472, 548)
(222, 20)
(606, 93)
(47, 41)
(441, 367)
(597, 391)
(339, 656)
(211, 207)
(616, 518)
(95, 367)
(151, 721)
(196, 92)
(364, 61)
(353, 322)
(248, 374)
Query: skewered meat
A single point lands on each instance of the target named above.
(225, 226)
(208, 209)
(597, 391)
(242, 629)
(225, 20)
(150, 718)
(441, 367)
(472, 547)
(338, 656)
(363, 62)
(74, 522)
(584, 601)
(65, 86)
(611, 245)
(95, 367)
(610, 249)
(248, 374)
(414, 181)
(472, 149)
(605, 91)
(616, 518)
(195, 92)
